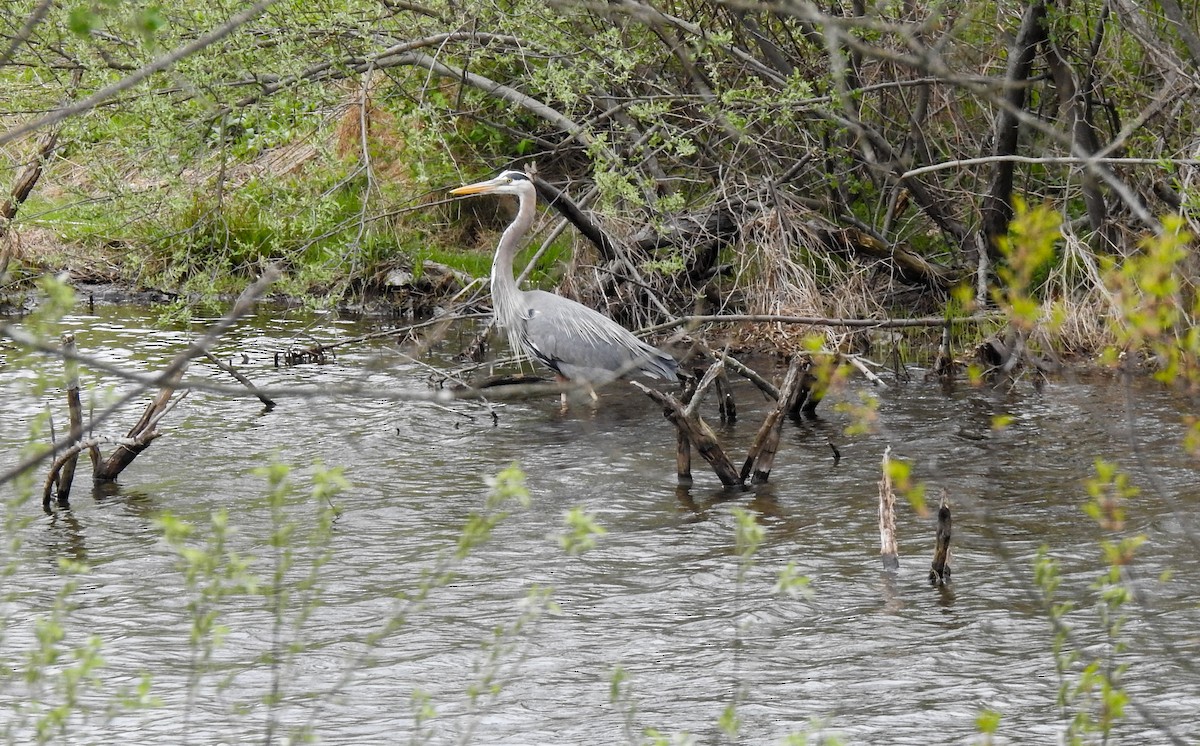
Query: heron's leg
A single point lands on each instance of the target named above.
(560, 378)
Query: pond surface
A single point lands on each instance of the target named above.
(872, 657)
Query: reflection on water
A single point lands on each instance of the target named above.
(879, 657)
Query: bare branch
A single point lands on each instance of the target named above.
(1050, 161)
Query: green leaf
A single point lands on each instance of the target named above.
(81, 20)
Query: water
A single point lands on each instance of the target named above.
(876, 658)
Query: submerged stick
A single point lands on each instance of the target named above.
(66, 476)
(761, 457)
(750, 375)
(887, 516)
(861, 367)
(73, 451)
(727, 404)
(943, 365)
(939, 571)
(683, 459)
(695, 396)
(317, 351)
(267, 401)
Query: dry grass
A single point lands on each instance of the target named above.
(786, 268)
(383, 143)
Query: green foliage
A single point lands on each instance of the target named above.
(988, 724)
(286, 595)
(1158, 307)
(748, 537)
(1090, 690)
(1029, 250)
(56, 673)
(792, 584)
(508, 486)
(1109, 492)
(582, 532)
(170, 176)
(57, 676)
(900, 475)
(729, 722)
(863, 414)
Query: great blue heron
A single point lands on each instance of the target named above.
(574, 341)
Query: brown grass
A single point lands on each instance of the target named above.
(384, 142)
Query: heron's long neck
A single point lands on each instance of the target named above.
(506, 296)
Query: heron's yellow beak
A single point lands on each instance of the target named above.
(482, 187)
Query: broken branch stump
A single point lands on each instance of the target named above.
(728, 406)
(887, 515)
(142, 433)
(939, 571)
(683, 459)
(943, 366)
(683, 445)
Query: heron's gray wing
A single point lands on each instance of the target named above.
(581, 343)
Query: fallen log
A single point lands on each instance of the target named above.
(849, 323)
(911, 267)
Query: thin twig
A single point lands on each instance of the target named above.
(710, 377)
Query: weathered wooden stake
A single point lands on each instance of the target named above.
(887, 516)
(683, 445)
(939, 572)
(761, 457)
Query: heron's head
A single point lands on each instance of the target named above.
(508, 182)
